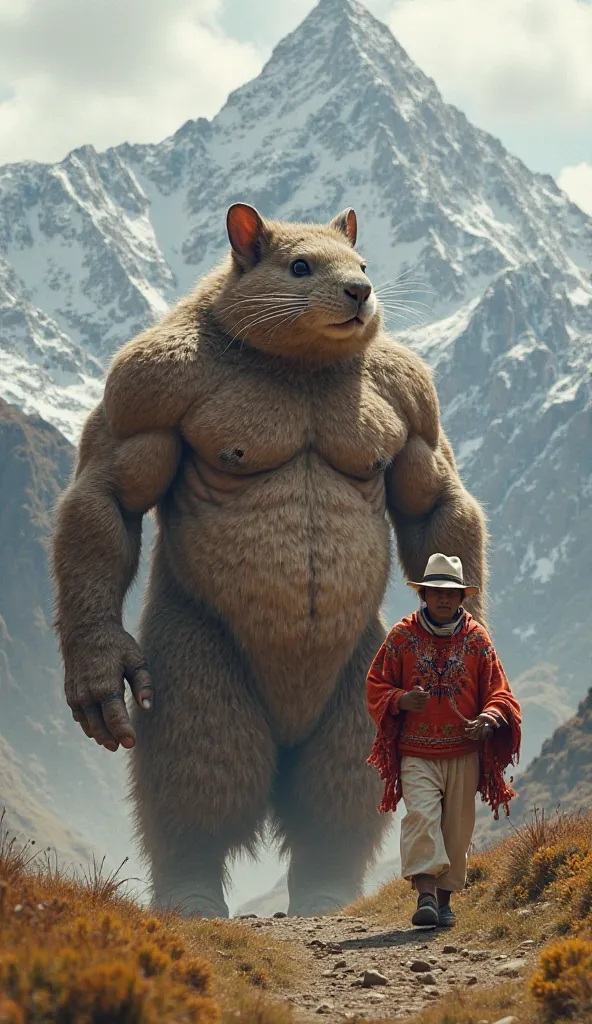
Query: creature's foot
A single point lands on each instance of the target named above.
(316, 904)
(190, 902)
(192, 905)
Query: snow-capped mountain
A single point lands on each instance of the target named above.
(494, 263)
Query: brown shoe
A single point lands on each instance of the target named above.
(426, 915)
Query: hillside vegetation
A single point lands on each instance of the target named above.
(532, 889)
(81, 952)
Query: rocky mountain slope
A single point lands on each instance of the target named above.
(25, 819)
(558, 780)
(496, 263)
(57, 787)
(546, 704)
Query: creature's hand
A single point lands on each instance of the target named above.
(415, 700)
(96, 665)
(481, 728)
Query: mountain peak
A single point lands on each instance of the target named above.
(339, 57)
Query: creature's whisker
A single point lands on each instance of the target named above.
(275, 301)
(255, 319)
(397, 316)
(291, 319)
(409, 304)
(407, 288)
(274, 311)
(273, 314)
(292, 296)
(406, 308)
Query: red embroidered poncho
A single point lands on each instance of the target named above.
(464, 677)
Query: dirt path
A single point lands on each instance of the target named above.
(419, 966)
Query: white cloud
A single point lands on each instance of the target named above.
(101, 71)
(577, 182)
(504, 60)
(109, 70)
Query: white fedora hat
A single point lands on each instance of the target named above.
(444, 571)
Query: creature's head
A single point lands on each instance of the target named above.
(297, 290)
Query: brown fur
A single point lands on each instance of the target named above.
(272, 450)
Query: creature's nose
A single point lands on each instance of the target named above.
(358, 291)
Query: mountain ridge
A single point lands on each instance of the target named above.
(97, 246)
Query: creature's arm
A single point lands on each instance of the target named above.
(120, 474)
(429, 506)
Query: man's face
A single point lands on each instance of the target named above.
(442, 603)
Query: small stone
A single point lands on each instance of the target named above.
(280, 913)
(246, 917)
(419, 966)
(525, 912)
(339, 963)
(359, 928)
(527, 944)
(333, 947)
(450, 949)
(507, 1020)
(427, 979)
(371, 978)
(479, 954)
(465, 952)
(376, 997)
(511, 969)
(472, 979)
(323, 1008)
(316, 944)
(328, 974)
(432, 992)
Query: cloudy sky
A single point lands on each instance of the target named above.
(74, 72)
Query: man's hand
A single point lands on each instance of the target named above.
(415, 700)
(96, 665)
(481, 728)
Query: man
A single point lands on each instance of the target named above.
(448, 726)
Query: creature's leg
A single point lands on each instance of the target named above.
(326, 797)
(204, 760)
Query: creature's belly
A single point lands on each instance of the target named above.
(297, 563)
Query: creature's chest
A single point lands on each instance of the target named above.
(257, 421)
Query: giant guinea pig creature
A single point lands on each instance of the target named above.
(276, 429)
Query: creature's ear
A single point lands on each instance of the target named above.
(246, 232)
(347, 223)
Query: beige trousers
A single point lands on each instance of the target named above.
(437, 830)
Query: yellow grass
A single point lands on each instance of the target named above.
(536, 885)
(80, 952)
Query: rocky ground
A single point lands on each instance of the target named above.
(356, 969)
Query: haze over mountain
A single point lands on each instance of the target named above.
(95, 247)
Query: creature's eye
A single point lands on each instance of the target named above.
(300, 268)
(363, 267)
